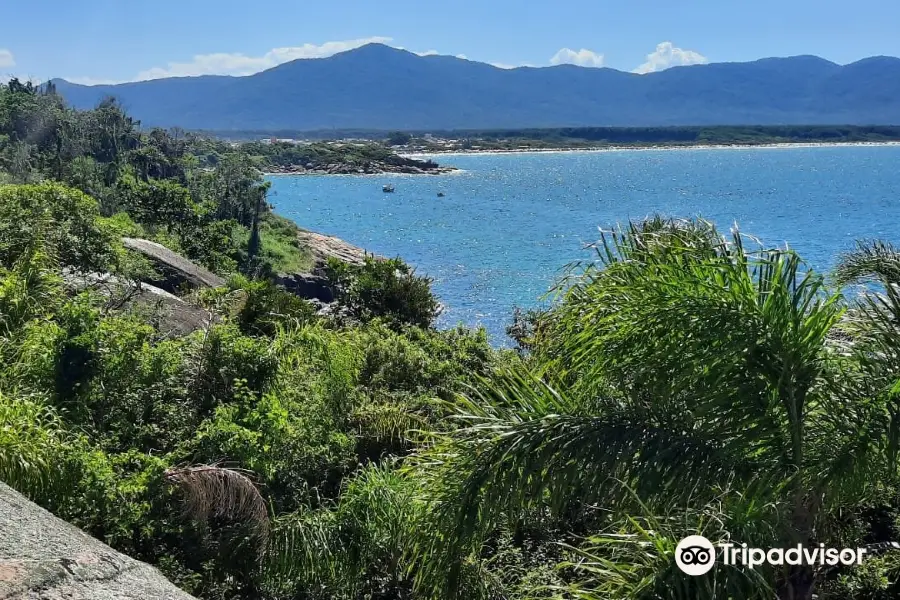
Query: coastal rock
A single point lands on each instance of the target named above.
(309, 286)
(45, 558)
(177, 271)
(171, 315)
(324, 247)
(334, 311)
(315, 286)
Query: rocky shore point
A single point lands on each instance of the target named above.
(370, 168)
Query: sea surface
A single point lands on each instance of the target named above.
(509, 223)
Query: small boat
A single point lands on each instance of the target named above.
(440, 194)
(387, 188)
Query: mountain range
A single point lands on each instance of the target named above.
(380, 87)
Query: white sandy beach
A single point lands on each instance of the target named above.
(451, 153)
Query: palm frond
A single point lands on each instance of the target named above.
(635, 560)
(871, 261)
(858, 426)
(737, 336)
(526, 445)
(211, 491)
(717, 363)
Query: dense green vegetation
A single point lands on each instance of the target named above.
(286, 153)
(349, 156)
(195, 195)
(276, 155)
(683, 382)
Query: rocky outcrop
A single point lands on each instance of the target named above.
(324, 247)
(171, 315)
(407, 166)
(176, 270)
(315, 286)
(45, 558)
(311, 286)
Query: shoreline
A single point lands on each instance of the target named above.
(443, 171)
(649, 148)
(450, 170)
(380, 170)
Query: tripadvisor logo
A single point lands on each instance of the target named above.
(696, 555)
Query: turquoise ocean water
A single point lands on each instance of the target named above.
(509, 223)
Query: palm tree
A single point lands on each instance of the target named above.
(683, 374)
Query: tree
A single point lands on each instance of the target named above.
(253, 244)
(159, 202)
(235, 189)
(114, 134)
(398, 138)
(63, 218)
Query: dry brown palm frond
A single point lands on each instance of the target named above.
(212, 491)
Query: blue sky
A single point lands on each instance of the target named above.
(123, 40)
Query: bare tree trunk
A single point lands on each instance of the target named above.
(800, 580)
(799, 584)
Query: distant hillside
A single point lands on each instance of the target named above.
(379, 87)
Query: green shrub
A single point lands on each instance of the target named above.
(53, 214)
(296, 451)
(32, 288)
(33, 444)
(226, 357)
(386, 289)
(267, 307)
(158, 202)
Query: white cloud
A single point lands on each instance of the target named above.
(239, 64)
(582, 58)
(221, 63)
(667, 55)
(6, 59)
(434, 53)
(507, 66)
(92, 81)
